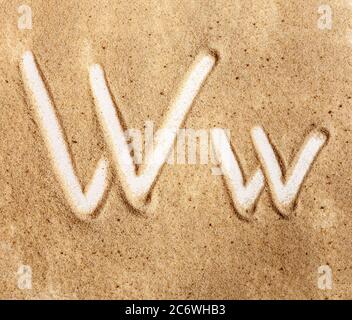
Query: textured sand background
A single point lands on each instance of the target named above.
(276, 69)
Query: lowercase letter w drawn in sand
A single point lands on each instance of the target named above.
(137, 187)
(284, 194)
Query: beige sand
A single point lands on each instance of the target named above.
(276, 69)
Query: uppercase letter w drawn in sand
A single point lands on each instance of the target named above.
(137, 187)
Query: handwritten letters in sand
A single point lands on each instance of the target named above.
(138, 184)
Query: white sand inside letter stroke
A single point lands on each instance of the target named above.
(82, 203)
(244, 196)
(285, 193)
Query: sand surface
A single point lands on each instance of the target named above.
(275, 69)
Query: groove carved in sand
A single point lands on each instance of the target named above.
(81, 202)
